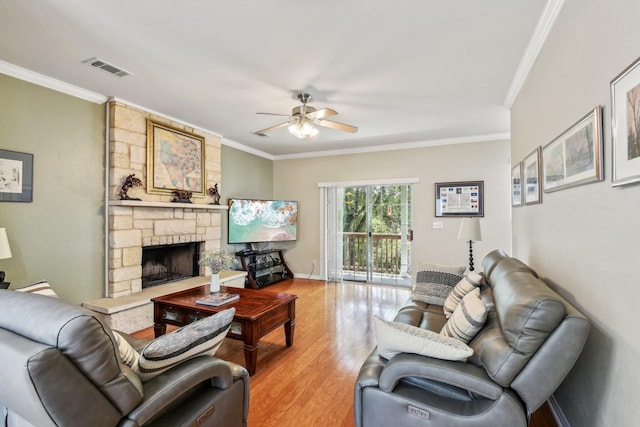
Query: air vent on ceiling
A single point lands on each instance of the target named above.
(109, 68)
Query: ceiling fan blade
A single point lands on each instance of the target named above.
(319, 114)
(266, 131)
(276, 114)
(338, 126)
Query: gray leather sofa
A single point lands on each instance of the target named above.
(59, 366)
(529, 343)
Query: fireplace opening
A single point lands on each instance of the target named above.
(169, 263)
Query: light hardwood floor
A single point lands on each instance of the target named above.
(312, 382)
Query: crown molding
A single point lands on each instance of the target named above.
(157, 113)
(51, 83)
(238, 146)
(399, 146)
(543, 28)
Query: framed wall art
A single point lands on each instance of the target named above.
(175, 160)
(516, 185)
(532, 192)
(574, 157)
(16, 176)
(625, 126)
(460, 199)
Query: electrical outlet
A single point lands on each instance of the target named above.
(438, 224)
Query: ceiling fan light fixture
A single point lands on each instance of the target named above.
(305, 120)
(303, 129)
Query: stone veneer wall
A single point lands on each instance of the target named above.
(132, 227)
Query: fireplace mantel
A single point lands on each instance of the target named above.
(170, 205)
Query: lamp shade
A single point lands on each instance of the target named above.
(5, 249)
(470, 230)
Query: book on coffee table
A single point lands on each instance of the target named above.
(217, 298)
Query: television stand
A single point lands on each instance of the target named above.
(264, 267)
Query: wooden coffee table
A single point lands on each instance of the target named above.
(258, 312)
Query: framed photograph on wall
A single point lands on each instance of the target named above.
(516, 185)
(574, 157)
(460, 199)
(175, 160)
(16, 176)
(532, 192)
(625, 126)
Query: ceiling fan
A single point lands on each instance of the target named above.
(304, 120)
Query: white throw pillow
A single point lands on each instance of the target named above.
(467, 319)
(41, 288)
(434, 282)
(464, 286)
(202, 337)
(128, 355)
(396, 337)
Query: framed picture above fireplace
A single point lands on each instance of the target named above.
(175, 160)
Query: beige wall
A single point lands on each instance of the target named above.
(487, 161)
(60, 235)
(584, 240)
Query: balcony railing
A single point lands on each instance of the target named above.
(386, 253)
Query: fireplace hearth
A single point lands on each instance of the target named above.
(169, 263)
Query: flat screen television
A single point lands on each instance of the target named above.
(255, 221)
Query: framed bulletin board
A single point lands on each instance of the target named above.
(460, 199)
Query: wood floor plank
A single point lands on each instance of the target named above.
(312, 382)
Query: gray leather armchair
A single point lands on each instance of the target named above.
(59, 366)
(529, 343)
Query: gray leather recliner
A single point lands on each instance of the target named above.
(59, 366)
(529, 343)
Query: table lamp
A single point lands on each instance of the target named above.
(5, 252)
(470, 232)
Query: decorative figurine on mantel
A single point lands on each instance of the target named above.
(181, 196)
(129, 182)
(213, 192)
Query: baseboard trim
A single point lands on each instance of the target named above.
(307, 276)
(557, 412)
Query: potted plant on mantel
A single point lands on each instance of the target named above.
(217, 261)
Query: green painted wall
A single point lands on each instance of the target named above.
(244, 175)
(60, 235)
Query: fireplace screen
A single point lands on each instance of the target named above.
(168, 263)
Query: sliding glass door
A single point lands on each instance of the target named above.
(376, 234)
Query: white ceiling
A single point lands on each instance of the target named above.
(404, 72)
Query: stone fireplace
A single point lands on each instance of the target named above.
(152, 222)
(137, 225)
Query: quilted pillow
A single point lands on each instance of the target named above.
(464, 286)
(42, 287)
(467, 319)
(202, 337)
(397, 337)
(435, 282)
